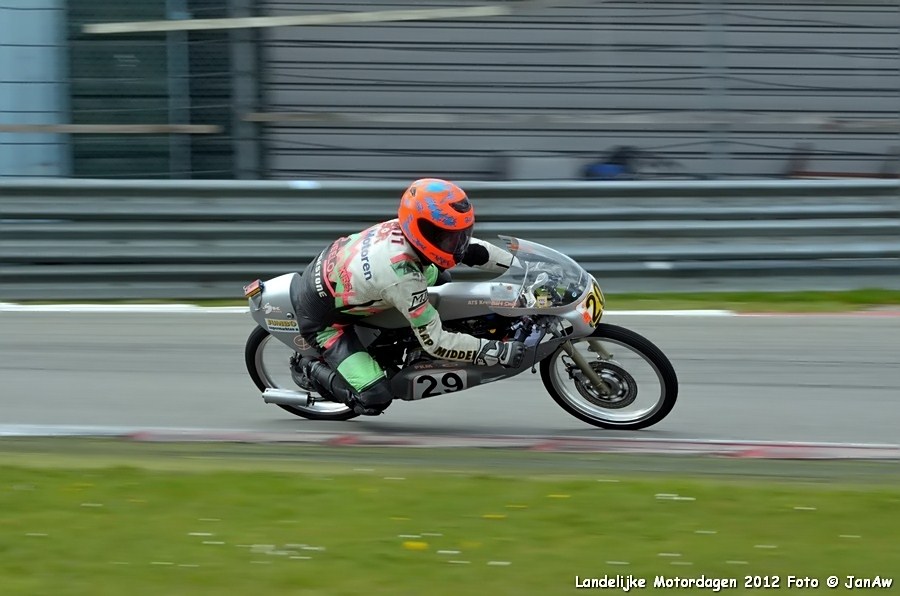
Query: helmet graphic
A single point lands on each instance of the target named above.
(437, 218)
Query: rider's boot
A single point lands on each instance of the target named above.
(329, 382)
(300, 374)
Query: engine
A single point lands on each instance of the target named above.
(487, 327)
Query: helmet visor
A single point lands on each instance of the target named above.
(454, 242)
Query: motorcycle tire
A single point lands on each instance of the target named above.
(592, 413)
(256, 342)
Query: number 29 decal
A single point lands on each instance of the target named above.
(438, 382)
(593, 305)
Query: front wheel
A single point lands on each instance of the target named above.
(269, 364)
(639, 383)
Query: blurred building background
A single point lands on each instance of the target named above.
(707, 89)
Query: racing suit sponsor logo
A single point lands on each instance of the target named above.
(280, 325)
(455, 354)
(317, 275)
(418, 299)
(364, 256)
(423, 335)
(389, 230)
(345, 279)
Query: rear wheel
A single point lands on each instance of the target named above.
(269, 364)
(640, 385)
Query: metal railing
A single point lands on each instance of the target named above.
(102, 239)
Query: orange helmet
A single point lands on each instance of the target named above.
(437, 219)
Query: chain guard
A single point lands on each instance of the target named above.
(624, 387)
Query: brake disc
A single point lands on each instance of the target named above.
(622, 387)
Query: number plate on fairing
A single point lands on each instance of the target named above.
(591, 308)
(438, 382)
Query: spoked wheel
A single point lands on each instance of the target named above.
(269, 364)
(639, 384)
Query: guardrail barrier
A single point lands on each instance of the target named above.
(102, 239)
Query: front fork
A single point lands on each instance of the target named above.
(597, 383)
(598, 348)
(583, 365)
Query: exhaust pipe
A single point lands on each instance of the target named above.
(285, 397)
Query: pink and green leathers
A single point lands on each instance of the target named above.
(367, 273)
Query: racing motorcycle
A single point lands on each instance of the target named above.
(603, 374)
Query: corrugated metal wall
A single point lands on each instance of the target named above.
(32, 86)
(176, 78)
(721, 89)
(118, 79)
(210, 92)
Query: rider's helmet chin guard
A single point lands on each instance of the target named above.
(437, 219)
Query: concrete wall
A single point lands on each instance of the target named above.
(33, 86)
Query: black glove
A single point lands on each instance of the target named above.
(476, 255)
(505, 353)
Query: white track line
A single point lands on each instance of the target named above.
(121, 308)
(192, 309)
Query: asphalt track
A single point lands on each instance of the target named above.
(755, 378)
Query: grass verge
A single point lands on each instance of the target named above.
(276, 519)
(801, 302)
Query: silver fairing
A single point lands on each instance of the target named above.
(456, 300)
(274, 311)
(463, 300)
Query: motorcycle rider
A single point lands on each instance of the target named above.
(391, 265)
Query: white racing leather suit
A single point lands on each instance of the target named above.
(367, 273)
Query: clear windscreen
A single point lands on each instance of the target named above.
(540, 277)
